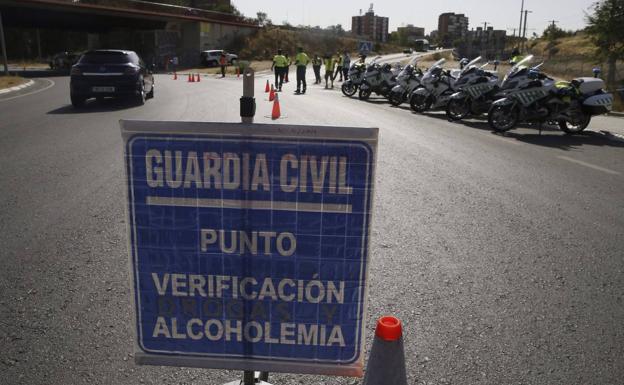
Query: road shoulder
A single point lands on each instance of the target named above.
(30, 87)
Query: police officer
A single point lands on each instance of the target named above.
(279, 66)
(338, 62)
(301, 61)
(316, 66)
(515, 57)
(346, 63)
(330, 64)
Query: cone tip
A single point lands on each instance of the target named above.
(389, 328)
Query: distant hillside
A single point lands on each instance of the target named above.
(570, 57)
(265, 42)
(578, 46)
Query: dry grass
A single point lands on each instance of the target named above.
(11, 81)
(427, 61)
(574, 46)
(29, 64)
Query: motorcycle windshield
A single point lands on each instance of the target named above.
(439, 63)
(469, 65)
(435, 65)
(521, 63)
(518, 66)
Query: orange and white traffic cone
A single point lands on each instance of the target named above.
(276, 113)
(266, 88)
(272, 94)
(198, 78)
(190, 79)
(386, 362)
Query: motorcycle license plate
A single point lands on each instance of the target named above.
(103, 89)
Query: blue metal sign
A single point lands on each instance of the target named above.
(365, 46)
(249, 244)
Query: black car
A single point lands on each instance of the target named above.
(116, 73)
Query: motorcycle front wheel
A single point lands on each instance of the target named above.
(574, 126)
(503, 118)
(395, 98)
(458, 109)
(364, 94)
(419, 103)
(348, 88)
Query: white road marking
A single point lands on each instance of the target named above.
(31, 93)
(17, 88)
(589, 165)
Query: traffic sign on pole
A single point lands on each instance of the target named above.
(365, 46)
(249, 244)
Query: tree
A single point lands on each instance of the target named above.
(263, 19)
(607, 33)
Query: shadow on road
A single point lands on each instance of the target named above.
(530, 134)
(91, 106)
(556, 139)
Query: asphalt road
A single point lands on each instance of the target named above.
(503, 255)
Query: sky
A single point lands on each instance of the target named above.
(502, 14)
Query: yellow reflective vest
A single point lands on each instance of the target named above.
(330, 65)
(280, 61)
(302, 59)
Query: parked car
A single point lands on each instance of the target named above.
(106, 73)
(63, 60)
(211, 58)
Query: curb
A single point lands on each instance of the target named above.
(616, 114)
(16, 88)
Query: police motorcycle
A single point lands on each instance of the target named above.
(407, 81)
(437, 87)
(378, 78)
(477, 89)
(356, 77)
(535, 97)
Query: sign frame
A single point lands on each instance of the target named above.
(132, 129)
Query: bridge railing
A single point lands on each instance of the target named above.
(164, 9)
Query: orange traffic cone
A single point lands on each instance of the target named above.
(198, 78)
(266, 88)
(175, 75)
(276, 113)
(386, 362)
(190, 79)
(272, 94)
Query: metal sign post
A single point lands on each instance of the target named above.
(248, 102)
(249, 244)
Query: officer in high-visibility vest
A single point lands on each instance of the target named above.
(338, 61)
(330, 63)
(301, 62)
(316, 66)
(515, 57)
(279, 66)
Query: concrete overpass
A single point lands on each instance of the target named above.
(157, 31)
